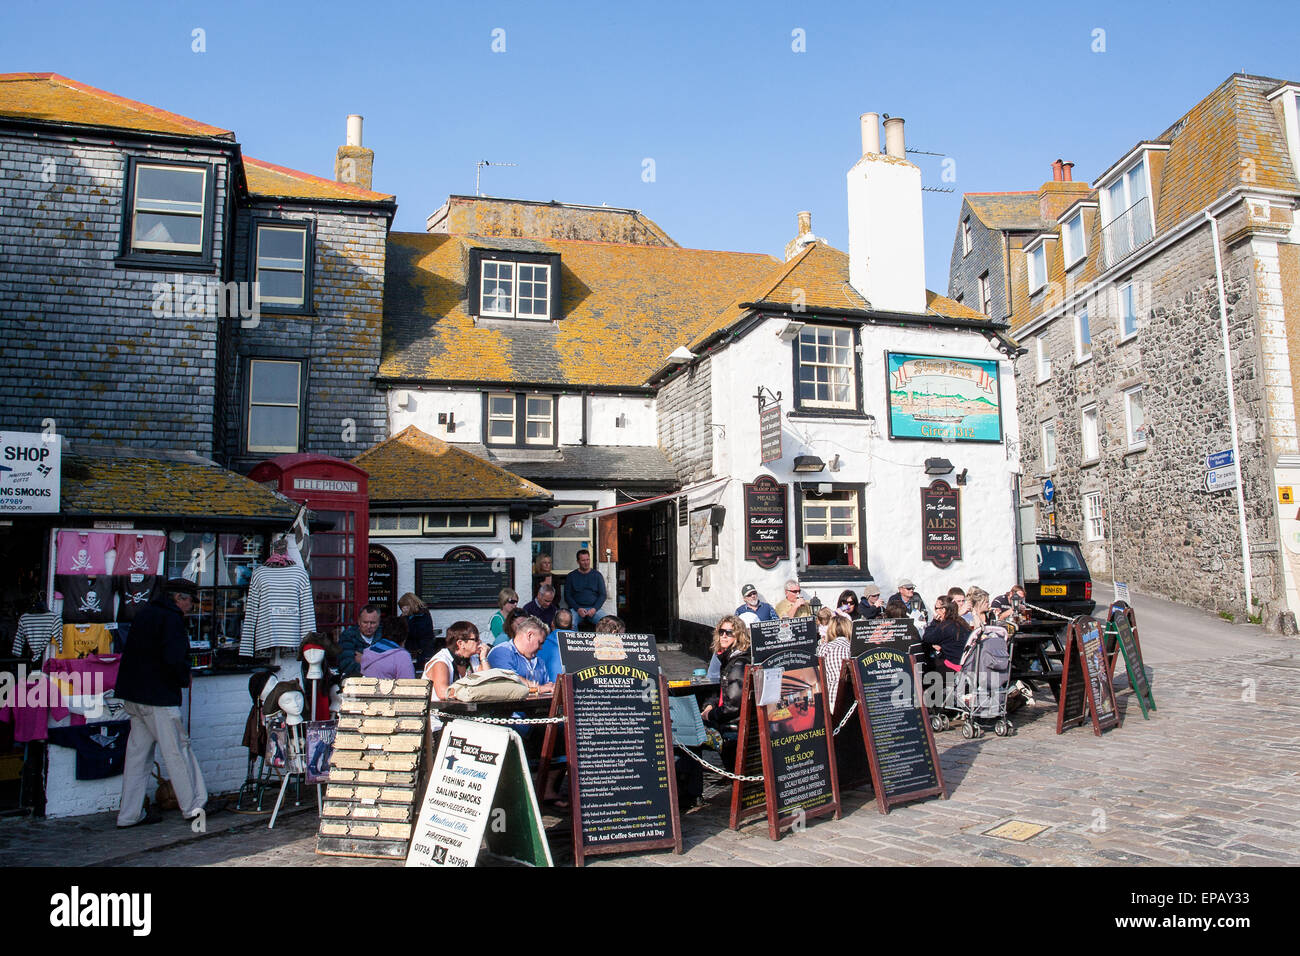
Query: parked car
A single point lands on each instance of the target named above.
(1064, 583)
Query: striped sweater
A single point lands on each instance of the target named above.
(279, 609)
(36, 631)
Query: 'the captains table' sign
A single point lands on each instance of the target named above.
(619, 741)
(30, 469)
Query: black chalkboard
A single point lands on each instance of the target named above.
(899, 633)
(622, 785)
(1125, 623)
(895, 727)
(1071, 699)
(465, 578)
(1086, 668)
(788, 643)
(381, 580)
(767, 526)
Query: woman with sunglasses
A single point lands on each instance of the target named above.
(848, 603)
(507, 601)
(731, 644)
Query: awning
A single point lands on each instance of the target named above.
(553, 519)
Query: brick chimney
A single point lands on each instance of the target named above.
(1057, 173)
(803, 239)
(886, 242)
(354, 163)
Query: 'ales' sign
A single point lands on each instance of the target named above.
(940, 524)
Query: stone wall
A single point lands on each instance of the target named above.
(81, 343)
(684, 405)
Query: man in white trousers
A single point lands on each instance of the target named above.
(155, 669)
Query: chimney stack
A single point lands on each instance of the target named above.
(354, 164)
(804, 238)
(1067, 170)
(1058, 174)
(870, 132)
(886, 239)
(894, 144)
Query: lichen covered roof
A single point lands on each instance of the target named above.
(491, 216)
(134, 485)
(50, 98)
(413, 466)
(279, 182)
(1017, 210)
(624, 308)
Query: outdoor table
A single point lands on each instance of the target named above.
(532, 706)
(699, 689)
(1043, 648)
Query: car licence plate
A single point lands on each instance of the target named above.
(1054, 589)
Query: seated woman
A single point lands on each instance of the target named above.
(419, 629)
(461, 656)
(834, 650)
(948, 633)
(731, 644)
(848, 603)
(507, 601)
(387, 656)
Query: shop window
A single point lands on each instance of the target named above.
(283, 252)
(168, 217)
(831, 530)
(475, 523)
(826, 368)
(519, 419)
(274, 405)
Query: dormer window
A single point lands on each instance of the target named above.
(1075, 247)
(1127, 217)
(1037, 267)
(507, 285)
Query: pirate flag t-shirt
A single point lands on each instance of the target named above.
(135, 590)
(86, 599)
(138, 553)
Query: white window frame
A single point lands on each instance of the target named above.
(1135, 438)
(281, 265)
(966, 243)
(250, 404)
(512, 272)
(1127, 300)
(986, 293)
(169, 207)
(477, 524)
(1042, 360)
(1094, 517)
(1108, 211)
(1090, 428)
(1037, 256)
(547, 420)
(496, 417)
(413, 520)
(1072, 255)
(1047, 432)
(841, 498)
(1082, 350)
(850, 403)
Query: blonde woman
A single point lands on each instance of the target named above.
(731, 644)
(419, 629)
(507, 601)
(834, 651)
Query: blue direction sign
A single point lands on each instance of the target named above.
(1049, 490)
(1218, 459)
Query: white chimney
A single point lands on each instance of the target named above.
(886, 243)
(870, 132)
(354, 129)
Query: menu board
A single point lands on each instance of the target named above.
(1123, 619)
(896, 728)
(464, 577)
(787, 643)
(769, 433)
(1072, 701)
(794, 734)
(767, 526)
(622, 782)
(900, 633)
(940, 524)
(1086, 674)
(381, 581)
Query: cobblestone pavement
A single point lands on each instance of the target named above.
(1212, 778)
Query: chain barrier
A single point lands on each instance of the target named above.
(1043, 610)
(504, 721)
(712, 769)
(852, 707)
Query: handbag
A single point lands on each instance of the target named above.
(496, 683)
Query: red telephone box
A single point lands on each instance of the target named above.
(335, 490)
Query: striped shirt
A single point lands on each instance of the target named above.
(279, 610)
(36, 631)
(834, 653)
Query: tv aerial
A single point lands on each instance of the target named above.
(478, 170)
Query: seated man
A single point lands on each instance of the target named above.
(1004, 606)
(793, 604)
(519, 654)
(357, 639)
(584, 592)
(755, 604)
(550, 652)
(543, 607)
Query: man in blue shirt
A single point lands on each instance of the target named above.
(755, 604)
(584, 592)
(519, 654)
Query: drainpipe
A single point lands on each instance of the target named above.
(1232, 408)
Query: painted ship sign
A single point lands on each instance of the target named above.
(934, 398)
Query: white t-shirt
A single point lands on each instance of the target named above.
(444, 657)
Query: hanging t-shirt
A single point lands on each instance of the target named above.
(138, 553)
(135, 591)
(29, 709)
(35, 631)
(101, 748)
(84, 640)
(87, 676)
(86, 599)
(83, 552)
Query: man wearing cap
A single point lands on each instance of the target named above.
(755, 605)
(907, 594)
(155, 668)
(873, 605)
(793, 604)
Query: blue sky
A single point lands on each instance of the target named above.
(744, 131)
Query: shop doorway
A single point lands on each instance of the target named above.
(647, 598)
(24, 556)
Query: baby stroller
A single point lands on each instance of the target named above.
(980, 689)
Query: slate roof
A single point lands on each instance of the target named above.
(141, 483)
(1015, 211)
(279, 182)
(50, 98)
(624, 308)
(492, 216)
(413, 466)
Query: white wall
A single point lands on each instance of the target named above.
(893, 472)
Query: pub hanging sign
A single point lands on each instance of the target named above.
(767, 535)
(940, 524)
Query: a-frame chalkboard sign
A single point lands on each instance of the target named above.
(787, 741)
(619, 741)
(1086, 688)
(1124, 621)
(891, 729)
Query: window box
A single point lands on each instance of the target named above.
(509, 285)
(281, 260)
(167, 215)
(520, 420)
(831, 530)
(827, 368)
(275, 392)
